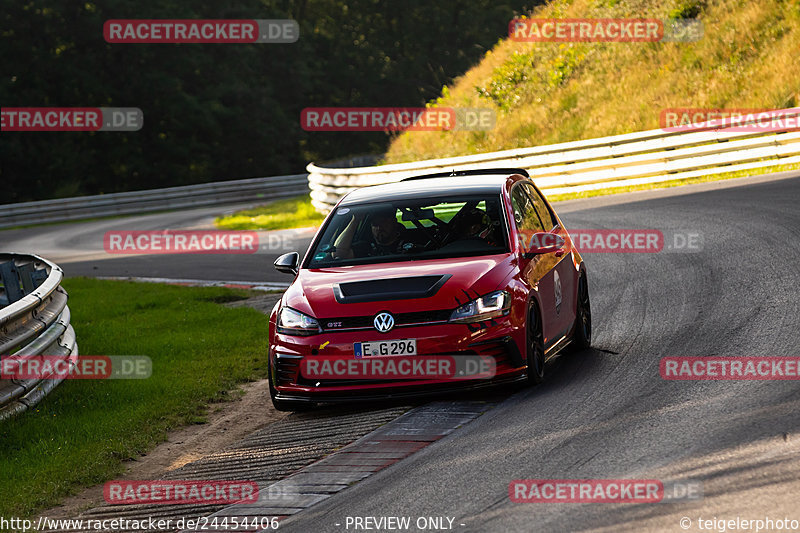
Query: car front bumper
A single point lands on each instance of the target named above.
(498, 339)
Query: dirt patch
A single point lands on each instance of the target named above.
(248, 410)
(228, 422)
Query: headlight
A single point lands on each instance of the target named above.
(294, 322)
(490, 306)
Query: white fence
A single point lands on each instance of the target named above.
(630, 159)
(34, 321)
(135, 202)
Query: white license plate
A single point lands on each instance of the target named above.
(377, 348)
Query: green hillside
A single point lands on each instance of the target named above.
(543, 93)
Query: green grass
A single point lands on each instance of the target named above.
(82, 432)
(546, 93)
(284, 214)
(672, 183)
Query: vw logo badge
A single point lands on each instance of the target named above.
(383, 322)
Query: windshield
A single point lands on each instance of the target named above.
(412, 229)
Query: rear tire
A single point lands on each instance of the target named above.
(582, 332)
(535, 345)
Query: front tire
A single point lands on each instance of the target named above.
(582, 333)
(535, 345)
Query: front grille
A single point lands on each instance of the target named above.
(400, 320)
(345, 382)
(495, 349)
(287, 369)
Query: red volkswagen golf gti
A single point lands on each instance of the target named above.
(467, 263)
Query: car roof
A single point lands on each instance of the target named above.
(428, 187)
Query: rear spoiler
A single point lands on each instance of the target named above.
(473, 172)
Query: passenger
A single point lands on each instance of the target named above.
(474, 223)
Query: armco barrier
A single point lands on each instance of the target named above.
(123, 203)
(34, 320)
(631, 159)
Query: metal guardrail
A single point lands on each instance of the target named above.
(631, 159)
(34, 321)
(124, 203)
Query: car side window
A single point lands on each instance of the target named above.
(524, 212)
(547, 218)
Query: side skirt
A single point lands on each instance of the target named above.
(556, 348)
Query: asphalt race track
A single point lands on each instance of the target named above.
(78, 249)
(604, 413)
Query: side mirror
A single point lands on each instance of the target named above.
(543, 243)
(287, 263)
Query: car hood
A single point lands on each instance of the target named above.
(399, 287)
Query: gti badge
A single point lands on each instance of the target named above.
(383, 322)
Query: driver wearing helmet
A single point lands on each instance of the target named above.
(476, 224)
(387, 236)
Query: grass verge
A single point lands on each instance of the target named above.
(552, 92)
(82, 432)
(294, 212)
(673, 183)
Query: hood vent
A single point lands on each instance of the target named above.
(378, 290)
